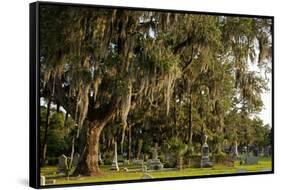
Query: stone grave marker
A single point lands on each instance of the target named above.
(205, 161)
(155, 163)
(100, 159)
(50, 182)
(76, 159)
(144, 168)
(241, 171)
(42, 180)
(126, 162)
(265, 170)
(146, 176)
(251, 160)
(138, 162)
(266, 151)
(114, 165)
(62, 165)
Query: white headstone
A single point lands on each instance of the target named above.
(42, 180)
(114, 165)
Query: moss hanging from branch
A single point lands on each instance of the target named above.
(125, 108)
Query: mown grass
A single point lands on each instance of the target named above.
(107, 175)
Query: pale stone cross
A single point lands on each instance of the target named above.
(155, 153)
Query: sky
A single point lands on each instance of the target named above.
(266, 113)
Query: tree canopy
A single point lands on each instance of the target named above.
(182, 74)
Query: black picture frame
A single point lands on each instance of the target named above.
(34, 94)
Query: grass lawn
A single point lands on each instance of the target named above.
(107, 175)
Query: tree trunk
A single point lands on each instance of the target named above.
(58, 107)
(89, 165)
(180, 162)
(96, 119)
(139, 148)
(122, 140)
(175, 116)
(69, 166)
(129, 142)
(65, 120)
(190, 132)
(236, 154)
(218, 147)
(45, 145)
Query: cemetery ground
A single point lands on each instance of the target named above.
(49, 172)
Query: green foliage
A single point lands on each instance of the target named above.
(59, 138)
(177, 147)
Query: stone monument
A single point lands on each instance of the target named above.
(42, 180)
(114, 165)
(251, 160)
(62, 165)
(155, 163)
(76, 159)
(266, 151)
(205, 161)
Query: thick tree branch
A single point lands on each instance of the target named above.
(181, 45)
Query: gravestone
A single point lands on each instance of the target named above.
(266, 151)
(146, 176)
(265, 170)
(76, 159)
(62, 165)
(138, 162)
(100, 159)
(50, 182)
(42, 180)
(114, 165)
(241, 171)
(256, 151)
(126, 162)
(144, 168)
(270, 150)
(251, 160)
(155, 152)
(155, 163)
(205, 160)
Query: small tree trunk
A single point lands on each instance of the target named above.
(190, 132)
(65, 120)
(139, 148)
(58, 107)
(122, 140)
(45, 145)
(236, 149)
(175, 116)
(179, 162)
(218, 147)
(129, 143)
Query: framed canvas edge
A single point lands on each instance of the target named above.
(34, 94)
(34, 149)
